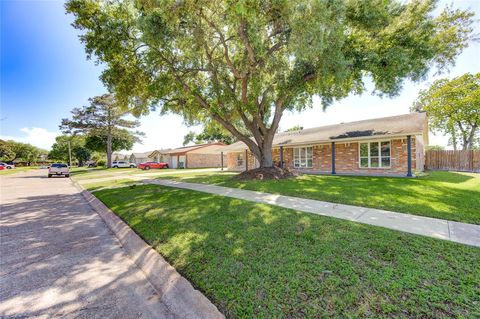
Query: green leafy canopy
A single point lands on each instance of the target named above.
(453, 107)
(243, 63)
(103, 122)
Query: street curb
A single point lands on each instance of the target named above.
(175, 292)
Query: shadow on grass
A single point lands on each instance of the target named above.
(440, 194)
(255, 260)
(448, 176)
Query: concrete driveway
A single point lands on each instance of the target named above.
(59, 259)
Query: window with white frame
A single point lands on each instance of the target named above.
(303, 157)
(375, 154)
(240, 159)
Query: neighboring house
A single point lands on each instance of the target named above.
(371, 147)
(119, 156)
(138, 158)
(195, 156)
(160, 156)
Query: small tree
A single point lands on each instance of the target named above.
(122, 140)
(24, 151)
(60, 149)
(453, 108)
(248, 61)
(103, 117)
(6, 151)
(82, 154)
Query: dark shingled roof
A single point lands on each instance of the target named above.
(412, 123)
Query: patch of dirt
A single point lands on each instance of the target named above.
(265, 173)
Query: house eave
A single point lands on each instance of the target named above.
(338, 140)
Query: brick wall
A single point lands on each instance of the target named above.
(195, 160)
(346, 159)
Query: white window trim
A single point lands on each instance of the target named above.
(379, 142)
(237, 160)
(306, 158)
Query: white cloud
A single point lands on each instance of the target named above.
(36, 136)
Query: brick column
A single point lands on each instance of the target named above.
(246, 160)
(221, 160)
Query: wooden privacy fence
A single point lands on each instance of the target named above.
(464, 161)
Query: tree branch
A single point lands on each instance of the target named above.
(243, 35)
(230, 64)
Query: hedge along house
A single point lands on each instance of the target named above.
(195, 156)
(384, 146)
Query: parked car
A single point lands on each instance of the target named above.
(2, 167)
(123, 164)
(59, 169)
(7, 166)
(149, 165)
(91, 164)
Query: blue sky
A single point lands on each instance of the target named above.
(44, 74)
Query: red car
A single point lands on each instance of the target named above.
(149, 165)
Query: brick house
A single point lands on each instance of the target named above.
(195, 156)
(370, 147)
(138, 158)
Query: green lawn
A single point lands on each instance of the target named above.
(18, 169)
(260, 261)
(95, 186)
(80, 173)
(83, 173)
(446, 195)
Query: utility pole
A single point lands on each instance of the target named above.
(70, 151)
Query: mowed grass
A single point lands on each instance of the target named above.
(259, 261)
(94, 186)
(18, 169)
(446, 195)
(83, 173)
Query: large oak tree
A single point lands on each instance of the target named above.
(243, 63)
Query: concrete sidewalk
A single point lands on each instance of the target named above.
(432, 227)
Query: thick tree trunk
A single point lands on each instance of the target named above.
(454, 141)
(109, 150)
(263, 150)
(266, 158)
(469, 142)
(261, 146)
